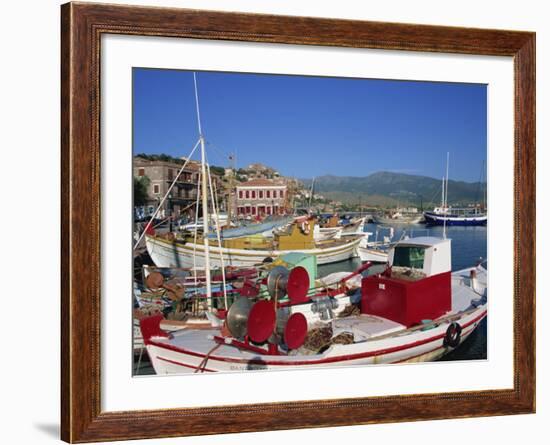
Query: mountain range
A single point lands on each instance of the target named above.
(389, 188)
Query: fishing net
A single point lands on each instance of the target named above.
(350, 309)
(345, 338)
(319, 339)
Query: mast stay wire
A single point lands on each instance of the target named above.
(218, 235)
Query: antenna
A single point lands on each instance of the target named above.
(311, 194)
(446, 199)
(197, 103)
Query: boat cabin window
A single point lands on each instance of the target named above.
(409, 256)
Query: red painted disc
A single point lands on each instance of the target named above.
(297, 285)
(261, 321)
(295, 331)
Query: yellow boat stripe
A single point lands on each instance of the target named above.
(199, 248)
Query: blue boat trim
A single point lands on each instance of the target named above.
(455, 220)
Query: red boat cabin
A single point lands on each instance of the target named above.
(416, 286)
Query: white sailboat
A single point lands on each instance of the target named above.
(453, 216)
(171, 253)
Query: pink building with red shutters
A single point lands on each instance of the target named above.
(261, 197)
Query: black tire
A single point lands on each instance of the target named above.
(452, 336)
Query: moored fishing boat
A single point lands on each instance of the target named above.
(375, 251)
(331, 230)
(180, 295)
(456, 217)
(325, 233)
(415, 310)
(249, 251)
(445, 215)
(355, 227)
(264, 228)
(398, 218)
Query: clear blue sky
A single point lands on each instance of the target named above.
(312, 126)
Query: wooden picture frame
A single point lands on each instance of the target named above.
(82, 26)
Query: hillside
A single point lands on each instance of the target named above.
(391, 188)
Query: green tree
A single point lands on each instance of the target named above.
(220, 171)
(140, 190)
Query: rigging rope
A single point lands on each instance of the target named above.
(196, 228)
(215, 209)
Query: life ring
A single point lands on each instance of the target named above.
(452, 336)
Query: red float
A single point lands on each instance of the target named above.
(261, 321)
(298, 285)
(295, 331)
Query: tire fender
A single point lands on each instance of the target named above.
(452, 335)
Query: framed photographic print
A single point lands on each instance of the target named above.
(293, 221)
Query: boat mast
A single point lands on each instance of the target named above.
(205, 222)
(485, 195)
(443, 194)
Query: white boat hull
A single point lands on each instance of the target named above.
(168, 254)
(418, 346)
(398, 221)
(355, 228)
(368, 254)
(323, 234)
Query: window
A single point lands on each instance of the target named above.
(409, 256)
(268, 194)
(281, 193)
(247, 194)
(141, 172)
(170, 174)
(261, 194)
(156, 189)
(253, 209)
(253, 194)
(240, 194)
